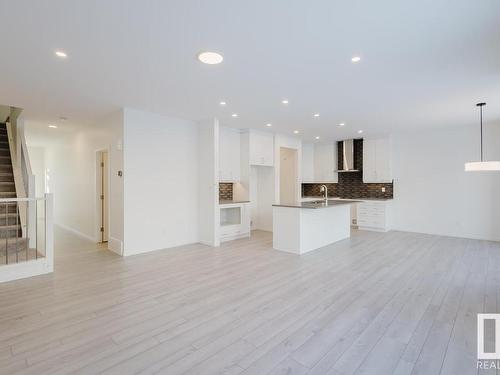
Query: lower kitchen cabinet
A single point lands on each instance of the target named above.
(375, 215)
(234, 221)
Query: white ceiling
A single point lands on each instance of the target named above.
(424, 63)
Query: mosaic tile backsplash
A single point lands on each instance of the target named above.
(225, 191)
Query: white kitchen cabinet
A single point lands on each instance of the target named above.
(261, 148)
(307, 162)
(234, 221)
(229, 155)
(325, 162)
(375, 215)
(377, 164)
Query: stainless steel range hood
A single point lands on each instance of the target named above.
(347, 156)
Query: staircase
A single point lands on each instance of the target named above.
(13, 248)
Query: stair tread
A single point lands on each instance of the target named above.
(12, 226)
(13, 239)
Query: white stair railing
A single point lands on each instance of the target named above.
(29, 252)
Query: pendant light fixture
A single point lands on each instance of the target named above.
(479, 166)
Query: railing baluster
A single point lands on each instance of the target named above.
(27, 233)
(36, 230)
(6, 234)
(17, 232)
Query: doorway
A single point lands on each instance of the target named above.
(288, 174)
(102, 180)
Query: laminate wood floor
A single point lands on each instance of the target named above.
(378, 303)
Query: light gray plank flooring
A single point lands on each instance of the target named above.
(378, 303)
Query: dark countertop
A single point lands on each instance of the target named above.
(232, 202)
(350, 199)
(315, 205)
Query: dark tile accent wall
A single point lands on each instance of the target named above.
(351, 184)
(225, 191)
(314, 190)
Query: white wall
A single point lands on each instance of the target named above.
(37, 161)
(208, 183)
(265, 198)
(160, 182)
(434, 195)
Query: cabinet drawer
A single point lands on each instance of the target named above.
(230, 230)
(371, 214)
(379, 224)
(375, 210)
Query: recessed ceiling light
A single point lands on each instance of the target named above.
(223, 103)
(356, 59)
(316, 115)
(295, 132)
(341, 124)
(53, 126)
(317, 137)
(210, 58)
(284, 101)
(269, 125)
(360, 131)
(61, 54)
(234, 115)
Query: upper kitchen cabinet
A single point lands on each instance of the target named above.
(261, 148)
(377, 165)
(229, 154)
(307, 162)
(325, 162)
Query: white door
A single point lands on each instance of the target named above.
(288, 174)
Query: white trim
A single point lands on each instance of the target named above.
(115, 245)
(97, 208)
(207, 243)
(76, 232)
(145, 251)
(23, 270)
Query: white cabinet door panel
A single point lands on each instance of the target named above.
(261, 148)
(377, 166)
(307, 162)
(325, 162)
(229, 154)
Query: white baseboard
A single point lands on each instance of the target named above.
(115, 245)
(208, 243)
(76, 232)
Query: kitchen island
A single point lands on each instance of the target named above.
(301, 227)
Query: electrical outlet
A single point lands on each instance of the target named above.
(383, 190)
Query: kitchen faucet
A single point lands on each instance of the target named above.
(324, 188)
